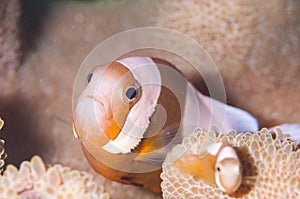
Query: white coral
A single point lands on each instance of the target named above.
(35, 180)
(2, 149)
(269, 156)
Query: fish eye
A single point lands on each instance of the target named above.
(131, 93)
(89, 77)
(218, 169)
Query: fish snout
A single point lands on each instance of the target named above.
(89, 120)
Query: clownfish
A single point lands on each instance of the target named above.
(134, 110)
(219, 165)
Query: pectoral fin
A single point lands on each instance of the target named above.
(153, 150)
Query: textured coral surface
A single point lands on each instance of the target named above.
(270, 158)
(35, 180)
(2, 149)
(255, 44)
(9, 43)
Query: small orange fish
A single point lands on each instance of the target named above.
(219, 166)
(134, 110)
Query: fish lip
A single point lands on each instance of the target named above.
(96, 99)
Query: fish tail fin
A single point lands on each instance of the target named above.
(240, 120)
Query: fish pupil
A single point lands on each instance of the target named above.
(131, 93)
(89, 77)
(218, 169)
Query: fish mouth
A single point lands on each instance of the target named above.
(117, 136)
(107, 114)
(105, 118)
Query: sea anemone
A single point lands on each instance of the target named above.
(270, 160)
(2, 149)
(10, 56)
(253, 43)
(35, 180)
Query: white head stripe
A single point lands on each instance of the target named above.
(215, 148)
(227, 152)
(219, 184)
(146, 72)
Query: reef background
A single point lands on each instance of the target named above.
(255, 44)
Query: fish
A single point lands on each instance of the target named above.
(218, 165)
(134, 110)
